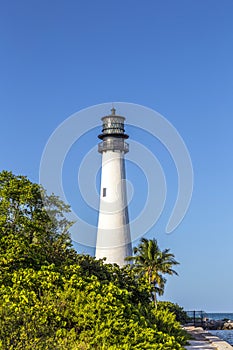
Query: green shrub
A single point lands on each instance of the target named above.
(47, 309)
(51, 298)
(180, 315)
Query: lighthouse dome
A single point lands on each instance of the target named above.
(113, 125)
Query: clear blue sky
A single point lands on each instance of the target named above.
(59, 56)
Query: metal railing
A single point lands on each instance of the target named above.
(196, 318)
(113, 145)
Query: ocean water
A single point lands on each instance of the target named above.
(219, 316)
(226, 335)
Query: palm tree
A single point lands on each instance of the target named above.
(152, 263)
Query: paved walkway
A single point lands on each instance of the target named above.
(205, 341)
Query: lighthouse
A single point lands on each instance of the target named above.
(113, 234)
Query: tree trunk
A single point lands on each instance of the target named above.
(155, 299)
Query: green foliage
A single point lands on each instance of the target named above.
(46, 309)
(167, 323)
(29, 236)
(180, 315)
(51, 298)
(152, 264)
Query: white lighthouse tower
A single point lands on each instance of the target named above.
(113, 235)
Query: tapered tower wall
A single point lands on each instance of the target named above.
(113, 235)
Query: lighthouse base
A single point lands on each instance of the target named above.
(114, 255)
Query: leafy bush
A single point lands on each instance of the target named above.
(180, 315)
(51, 298)
(47, 309)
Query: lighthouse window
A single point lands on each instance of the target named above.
(104, 191)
